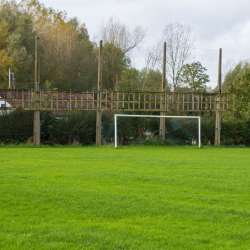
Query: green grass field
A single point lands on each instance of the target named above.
(127, 198)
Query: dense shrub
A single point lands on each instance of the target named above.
(16, 126)
(80, 127)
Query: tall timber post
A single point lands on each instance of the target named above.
(98, 112)
(162, 119)
(218, 112)
(36, 130)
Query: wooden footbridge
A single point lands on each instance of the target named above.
(113, 101)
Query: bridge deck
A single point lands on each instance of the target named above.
(113, 101)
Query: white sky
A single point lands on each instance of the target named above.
(216, 23)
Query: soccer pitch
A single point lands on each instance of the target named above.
(125, 198)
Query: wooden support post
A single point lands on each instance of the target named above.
(98, 112)
(162, 104)
(36, 130)
(218, 112)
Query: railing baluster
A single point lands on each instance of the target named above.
(167, 102)
(134, 101)
(128, 101)
(22, 99)
(106, 100)
(150, 101)
(81, 100)
(155, 101)
(144, 101)
(111, 100)
(51, 100)
(117, 100)
(87, 100)
(122, 100)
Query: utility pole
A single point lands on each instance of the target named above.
(162, 119)
(98, 112)
(36, 130)
(218, 112)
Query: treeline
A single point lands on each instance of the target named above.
(68, 59)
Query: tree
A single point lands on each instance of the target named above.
(179, 39)
(114, 62)
(130, 80)
(241, 93)
(16, 45)
(65, 48)
(194, 76)
(231, 75)
(118, 34)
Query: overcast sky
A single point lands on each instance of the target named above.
(216, 23)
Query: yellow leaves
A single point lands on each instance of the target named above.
(6, 62)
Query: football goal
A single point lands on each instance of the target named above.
(158, 116)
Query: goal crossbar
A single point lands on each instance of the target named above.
(159, 116)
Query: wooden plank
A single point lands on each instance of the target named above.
(40, 99)
(183, 102)
(51, 100)
(128, 101)
(150, 101)
(93, 100)
(167, 102)
(122, 100)
(133, 101)
(28, 99)
(201, 101)
(139, 101)
(178, 101)
(75, 100)
(219, 101)
(87, 100)
(17, 106)
(57, 100)
(81, 101)
(210, 102)
(215, 100)
(31, 100)
(106, 100)
(144, 101)
(227, 101)
(197, 104)
(62, 102)
(117, 100)
(11, 102)
(187, 102)
(155, 101)
(5, 96)
(223, 102)
(111, 100)
(206, 103)
(160, 101)
(22, 99)
(192, 102)
(46, 100)
(70, 100)
(173, 107)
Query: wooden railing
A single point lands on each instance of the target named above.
(114, 101)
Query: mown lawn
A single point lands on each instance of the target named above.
(127, 198)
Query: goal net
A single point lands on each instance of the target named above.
(182, 129)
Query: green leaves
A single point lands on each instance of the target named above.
(194, 76)
(241, 94)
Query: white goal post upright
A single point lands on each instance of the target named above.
(166, 116)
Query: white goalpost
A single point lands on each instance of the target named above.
(159, 116)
